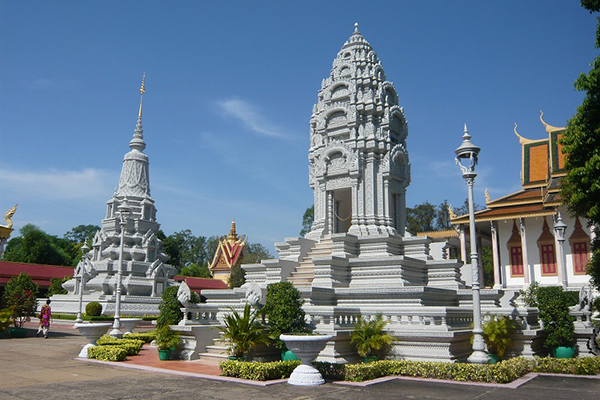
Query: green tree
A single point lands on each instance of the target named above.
(307, 220)
(37, 247)
(169, 307)
(283, 306)
(442, 219)
(420, 218)
(237, 277)
(580, 188)
(256, 253)
(20, 294)
(56, 286)
(199, 271)
(82, 233)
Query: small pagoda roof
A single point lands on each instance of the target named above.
(230, 251)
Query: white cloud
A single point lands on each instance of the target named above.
(251, 117)
(56, 184)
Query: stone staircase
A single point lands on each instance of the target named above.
(305, 271)
(215, 353)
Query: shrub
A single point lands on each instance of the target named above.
(170, 308)
(553, 304)
(6, 318)
(93, 309)
(496, 334)
(131, 346)
(20, 294)
(146, 337)
(107, 353)
(575, 366)
(330, 370)
(284, 309)
(56, 286)
(368, 336)
(258, 371)
(166, 338)
(242, 332)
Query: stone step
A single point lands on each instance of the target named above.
(218, 350)
(211, 359)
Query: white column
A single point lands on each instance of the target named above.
(401, 209)
(330, 212)
(463, 243)
(498, 281)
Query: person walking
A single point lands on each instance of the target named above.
(45, 315)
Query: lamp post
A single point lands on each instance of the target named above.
(123, 211)
(466, 158)
(559, 230)
(84, 250)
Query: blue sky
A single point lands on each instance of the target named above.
(229, 93)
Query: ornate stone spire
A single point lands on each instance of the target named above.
(359, 163)
(135, 179)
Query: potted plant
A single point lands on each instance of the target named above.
(368, 337)
(166, 341)
(242, 332)
(283, 308)
(20, 295)
(5, 319)
(497, 333)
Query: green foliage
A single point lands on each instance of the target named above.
(166, 338)
(237, 277)
(369, 337)
(56, 286)
(20, 294)
(580, 188)
(93, 309)
(307, 220)
(421, 218)
(131, 346)
(502, 372)
(170, 308)
(146, 337)
(107, 353)
(258, 371)
(553, 304)
(199, 271)
(496, 334)
(242, 332)
(574, 366)
(487, 261)
(82, 233)
(284, 309)
(37, 247)
(530, 294)
(6, 318)
(256, 253)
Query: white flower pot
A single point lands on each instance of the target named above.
(306, 348)
(92, 332)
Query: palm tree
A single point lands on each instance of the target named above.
(242, 331)
(369, 337)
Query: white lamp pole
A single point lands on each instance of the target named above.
(123, 211)
(466, 158)
(84, 250)
(559, 230)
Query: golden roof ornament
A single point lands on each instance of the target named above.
(451, 212)
(487, 196)
(7, 217)
(142, 91)
(549, 128)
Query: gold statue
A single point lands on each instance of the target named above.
(8, 216)
(451, 212)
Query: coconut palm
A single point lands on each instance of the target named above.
(242, 331)
(369, 337)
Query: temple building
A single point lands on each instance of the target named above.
(230, 253)
(522, 226)
(144, 269)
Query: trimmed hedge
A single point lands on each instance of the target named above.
(258, 371)
(146, 337)
(93, 309)
(107, 353)
(502, 372)
(132, 346)
(574, 366)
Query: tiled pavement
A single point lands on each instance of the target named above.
(33, 368)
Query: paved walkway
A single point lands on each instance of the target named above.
(34, 368)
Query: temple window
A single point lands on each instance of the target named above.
(580, 248)
(515, 252)
(547, 250)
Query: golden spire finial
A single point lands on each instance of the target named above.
(142, 91)
(487, 196)
(232, 233)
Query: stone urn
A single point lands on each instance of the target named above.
(129, 324)
(92, 332)
(306, 348)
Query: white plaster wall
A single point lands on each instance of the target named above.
(533, 228)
